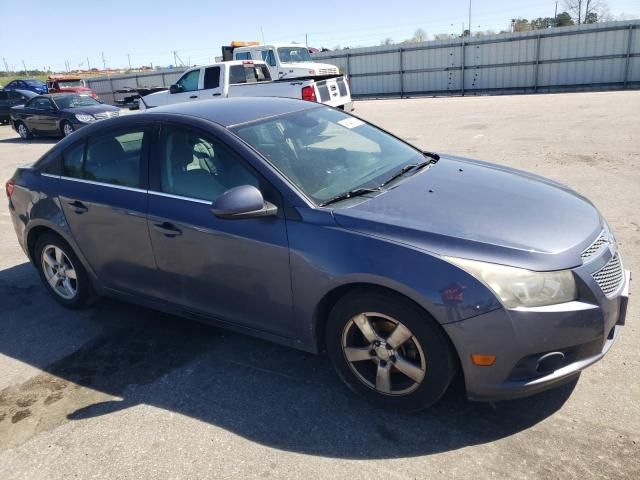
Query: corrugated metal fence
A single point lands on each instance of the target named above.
(106, 87)
(586, 57)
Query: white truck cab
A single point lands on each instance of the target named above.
(285, 61)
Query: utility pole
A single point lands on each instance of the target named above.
(175, 61)
(88, 64)
(262, 34)
(25, 67)
(6, 65)
(469, 18)
(306, 40)
(104, 62)
(129, 58)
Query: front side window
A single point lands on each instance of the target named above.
(189, 81)
(40, 104)
(294, 54)
(112, 158)
(325, 152)
(197, 166)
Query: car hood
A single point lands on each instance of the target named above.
(93, 109)
(471, 209)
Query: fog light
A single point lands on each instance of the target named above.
(483, 360)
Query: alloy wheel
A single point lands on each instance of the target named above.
(67, 129)
(22, 131)
(59, 272)
(383, 353)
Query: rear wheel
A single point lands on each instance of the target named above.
(61, 271)
(67, 129)
(23, 131)
(389, 350)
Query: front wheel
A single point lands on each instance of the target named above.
(67, 129)
(389, 350)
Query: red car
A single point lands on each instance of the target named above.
(69, 84)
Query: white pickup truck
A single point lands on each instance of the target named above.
(247, 78)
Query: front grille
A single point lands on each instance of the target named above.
(105, 115)
(595, 247)
(610, 277)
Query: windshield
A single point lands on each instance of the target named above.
(72, 101)
(294, 54)
(325, 152)
(70, 83)
(34, 83)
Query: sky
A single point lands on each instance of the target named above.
(147, 32)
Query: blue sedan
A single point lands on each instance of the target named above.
(310, 227)
(33, 85)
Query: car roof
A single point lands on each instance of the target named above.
(233, 111)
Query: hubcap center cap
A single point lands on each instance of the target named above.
(382, 352)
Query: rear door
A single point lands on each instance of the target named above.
(211, 84)
(234, 270)
(104, 199)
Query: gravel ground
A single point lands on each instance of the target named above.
(117, 391)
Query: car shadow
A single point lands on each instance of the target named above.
(39, 140)
(273, 395)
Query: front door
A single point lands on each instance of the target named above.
(189, 86)
(234, 270)
(104, 199)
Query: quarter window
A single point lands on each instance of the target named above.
(197, 166)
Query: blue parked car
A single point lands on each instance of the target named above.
(30, 84)
(310, 227)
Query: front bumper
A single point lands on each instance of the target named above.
(583, 331)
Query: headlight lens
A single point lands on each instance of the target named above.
(84, 117)
(517, 287)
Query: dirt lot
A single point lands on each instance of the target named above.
(117, 391)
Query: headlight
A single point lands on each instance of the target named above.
(84, 117)
(517, 287)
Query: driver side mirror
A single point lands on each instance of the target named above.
(175, 88)
(245, 201)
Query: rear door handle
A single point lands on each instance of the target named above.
(167, 229)
(216, 94)
(193, 96)
(78, 207)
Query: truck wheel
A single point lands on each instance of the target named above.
(67, 129)
(23, 131)
(389, 350)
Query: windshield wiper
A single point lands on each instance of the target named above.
(405, 169)
(356, 192)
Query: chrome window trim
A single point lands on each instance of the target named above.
(50, 175)
(102, 184)
(180, 197)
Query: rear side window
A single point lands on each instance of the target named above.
(72, 161)
(211, 78)
(112, 158)
(243, 56)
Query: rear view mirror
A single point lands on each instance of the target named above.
(175, 89)
(244, 201)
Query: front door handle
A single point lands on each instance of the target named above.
(167, 229)
(78, 207)
(193, 96)
(216, 94)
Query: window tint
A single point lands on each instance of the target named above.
(4, 95)
(41, 104)
(248, 74)
(269, 57)
(72, 160)
(189, 81)
(211, 77)
(243, 56)
(196, 166)
(115, 158)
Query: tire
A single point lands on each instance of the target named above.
(66, 129)
(418, 360)
(66, 290)
(23, 131)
